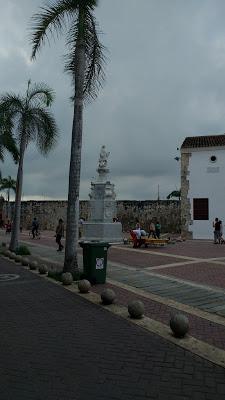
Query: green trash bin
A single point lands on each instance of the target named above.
(95, 261)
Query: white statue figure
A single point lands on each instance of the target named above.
(102, 162)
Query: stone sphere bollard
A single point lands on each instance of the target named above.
(25, 262)
(12, 255)
(108, 296)
(4, 252)
(43, 269)
(67, 278)
(7, 253)
(84, 286)
(18, 258)
(33, 265)
(136, 309)
(179, 324)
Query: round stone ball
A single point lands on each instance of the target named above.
(18, 258)
(33, 265)
(43, 269)
(179, 324)
(84, 286)
(67, 278)
(12, 255)
(7, 253)
(4, 252)
(108, 296)
(25, 261)
(136, 309)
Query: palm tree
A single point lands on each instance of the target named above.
(85, 62)
(27, 119)
(174, 193)
(8, 184)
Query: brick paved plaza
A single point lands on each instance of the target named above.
(57, 344)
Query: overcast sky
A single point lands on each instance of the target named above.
(165, 80)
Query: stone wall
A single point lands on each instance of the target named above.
(128, 212)
(185, 201)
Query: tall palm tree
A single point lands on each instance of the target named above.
(8, 184)
(85, 61)
(27, 119)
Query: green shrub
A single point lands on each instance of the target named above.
(23, 251)
(55, 274)
(77, 276)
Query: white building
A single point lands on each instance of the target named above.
(202, 185)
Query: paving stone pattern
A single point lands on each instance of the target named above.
(209, 274)
(200, 328)
(55, 345)
(182, 292)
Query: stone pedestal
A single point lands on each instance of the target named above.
(103, 207)
(104, 231)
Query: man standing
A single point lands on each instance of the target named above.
(216, 226)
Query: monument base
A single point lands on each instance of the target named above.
(104, 231)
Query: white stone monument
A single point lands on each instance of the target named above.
(102, 206)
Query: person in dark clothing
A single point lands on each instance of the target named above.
(34, 228)
(216, 226)
(59, 234)
(157, 229)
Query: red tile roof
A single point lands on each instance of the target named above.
(204, 141)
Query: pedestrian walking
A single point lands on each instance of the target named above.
(157, 229)
(216, 226)
(59, 234)
(34, 228)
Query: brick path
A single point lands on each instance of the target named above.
(55, 345)
(212, 274)
(200, 328)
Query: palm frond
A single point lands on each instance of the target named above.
(7, 183)
(10, 107)
(43, 129)
(50, 19)
(11, 102)
(8, 142)
(41, 94)
(94, 52)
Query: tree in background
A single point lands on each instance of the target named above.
(27, 119)
(84, 62)
(8, 184)
(174, 193)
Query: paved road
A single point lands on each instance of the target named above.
(55, 345)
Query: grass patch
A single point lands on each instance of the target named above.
(23, 251)
(57, 275)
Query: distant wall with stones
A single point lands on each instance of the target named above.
(128, 212)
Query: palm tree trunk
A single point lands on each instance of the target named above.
(71, 258)
(17, 209)
(8, 196)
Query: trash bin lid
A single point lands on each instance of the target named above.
(94, 243)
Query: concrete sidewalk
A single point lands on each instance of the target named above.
(57, 345)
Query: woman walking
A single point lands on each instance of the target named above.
(59, 234)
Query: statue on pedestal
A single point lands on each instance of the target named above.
(103, 158)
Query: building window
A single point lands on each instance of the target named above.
(201, 209)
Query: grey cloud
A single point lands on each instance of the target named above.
(164, 81)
